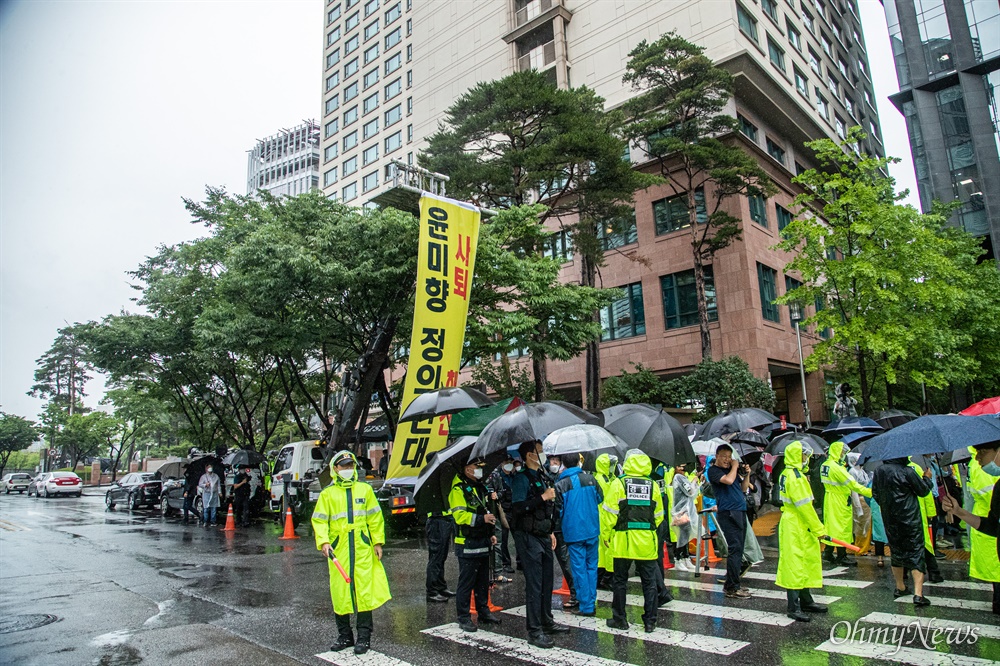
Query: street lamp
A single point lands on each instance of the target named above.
(795, 313)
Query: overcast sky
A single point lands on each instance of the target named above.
(111, 112)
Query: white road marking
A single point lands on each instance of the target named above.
(946, 602)
(708, 610)
(724, 646)
(769, 577)
(518, 648)
(962, 585)
(371, 658)
(893, 619)
(906, 655)
(718, 587)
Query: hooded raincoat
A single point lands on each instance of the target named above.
(632, 542)
(604, 477)
(898, 489)
(685, 492)
(983, 563)
(838, 514)
(927, 509)
(800, 561)
(348, 517)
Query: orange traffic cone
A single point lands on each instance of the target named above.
(667, 564)
(289, 526)
(712, 557)
(564, 590)
(230, 521)
(489, 604)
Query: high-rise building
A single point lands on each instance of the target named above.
(286, 163)
(801, 73)
(947, 57)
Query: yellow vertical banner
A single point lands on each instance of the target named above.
(446, 260)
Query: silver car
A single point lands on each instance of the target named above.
(48, 484)
(15, 482)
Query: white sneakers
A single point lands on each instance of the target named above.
(684, 565)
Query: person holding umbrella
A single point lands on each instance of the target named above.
(475, 523)
(580, 497)
(350, 529)
(838, 513)
(800, 563)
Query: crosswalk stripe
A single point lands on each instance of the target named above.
(903, 655)
(708, 610)
(372, 658)
(760, 575)
(718, 587)
(518, 648)
(893, 619)
(723, 646)
(947, 602)
(962, 585)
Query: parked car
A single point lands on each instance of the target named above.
(16, 482)
(48, 484)
(135, 490)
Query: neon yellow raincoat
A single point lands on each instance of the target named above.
(838, 513)
(604, 477)
(983, 563)
(348, 517)
(927, 510)
(800, 561)
(633, 541)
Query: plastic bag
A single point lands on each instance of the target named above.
(751, 548)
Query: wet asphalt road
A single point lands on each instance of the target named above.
(121, 588)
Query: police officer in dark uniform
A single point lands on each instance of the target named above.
(500, 481)
(241, 496)
(532, 502)
(439, 530)
(475, 522)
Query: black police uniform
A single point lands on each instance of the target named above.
(472, 548)
(439, 529)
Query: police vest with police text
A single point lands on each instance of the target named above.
(636, 511)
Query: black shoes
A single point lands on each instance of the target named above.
(571, 603)
(846, 562)
(896, 594)
(437, 598)
(664, 598)
(447, 593)
(508, 569)
(540, 641)
(649, 627)
(489, 619)
(800, 617)
(618, 624)
(467, 625)
(584, 614)
(555, 629)
(936, 578)
(343, 642)
(814, 608)
(362, 645)
(921, 601)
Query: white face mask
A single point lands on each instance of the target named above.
(554, 468)
(208, 470)
(478, 472)
(346, 474)
(508, 468)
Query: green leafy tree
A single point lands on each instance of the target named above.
(520, 139)
(679, 117)
(86, 435)
(641, 386)
(722, 385)
(506, 379)
(137, 412)
(16, 434)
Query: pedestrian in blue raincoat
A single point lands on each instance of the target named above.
(580, 498)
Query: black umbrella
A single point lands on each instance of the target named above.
(243, 458)
(778, 444)
(443, 465)
(655, 433)
(449, 400)
(773, 430)
(751, 437)
(850, 424)
(533, 421)
(937, 433)
(891, 418)
(745, 418)
(692, 430)
(955, 457)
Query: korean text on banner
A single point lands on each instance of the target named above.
(446, 259)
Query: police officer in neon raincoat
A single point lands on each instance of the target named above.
(983, 564)
(632, 510)
(604, 475)
(838, 513)
(348, 524)
(800, 562)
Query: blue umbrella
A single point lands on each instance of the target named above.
(851, 424)
(853, 439)
(938, 433)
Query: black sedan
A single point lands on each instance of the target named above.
(135, 490)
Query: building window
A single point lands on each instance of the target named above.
(409, 133)
(370, 128)
(784, 217)
(332, 58)
(332, 37)
(350, 141)
(330, 129)
(625, 318)
(770, 8)
(409, 52)
(827, 46)
(843, 68)
(350, 3)
(814, 63)
(332, 81)
(758, 209)
(332, 104)
(352, 44)
(822, 106)
(393, 63)
(680, 298)
(330, 177)
(748, 24)
(841, 130)
(371, 78)
(799, 169)
(352, 22)
(617, 232)
(331, 151)
(409, 27)
(351, 68)
(831, 83)
(807, 19)
(370, 7)
(747, 128)
(371, 53)
(371, 30)
(370, 182)
(393, 13)
(370, 154)
(559, 247)
(349, 193)
(393, 89)
(393, 38)
(333, 15)
(792, 284)
(350, 166)
(370, 103)
(794, 38)
(393, 115)
(766, 278)
(801, 83)
(776, 54)
(409, 105)
(350, 92)
(671, 214)
(775, 151)
(393, 142)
